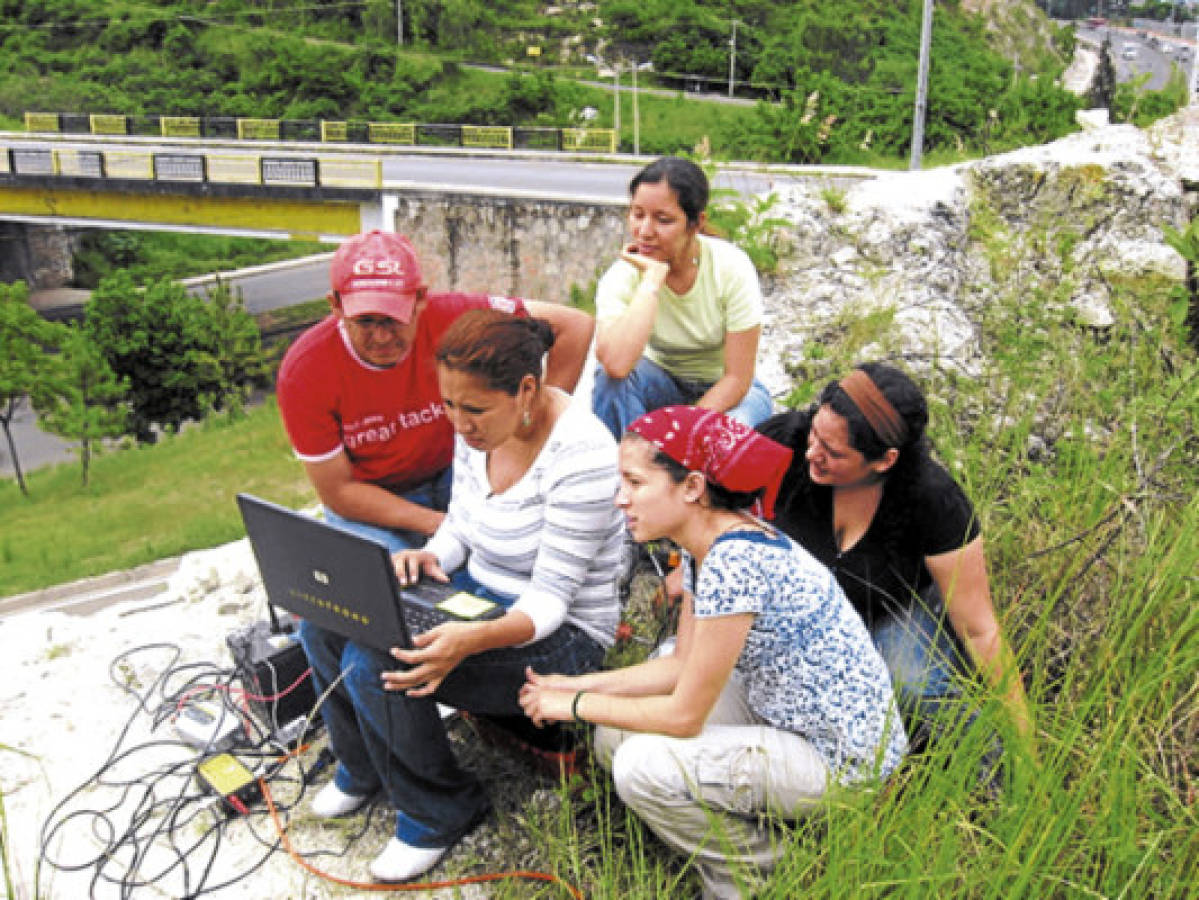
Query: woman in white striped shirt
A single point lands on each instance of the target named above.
(532, 525)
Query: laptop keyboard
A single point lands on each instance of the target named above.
(420, 618)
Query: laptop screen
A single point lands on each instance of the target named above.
(346, 583)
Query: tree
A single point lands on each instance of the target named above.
(1103, 88)
(25, 338)
(79, 398)
(237, 342)
(183, 356)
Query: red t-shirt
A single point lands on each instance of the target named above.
(390, 422)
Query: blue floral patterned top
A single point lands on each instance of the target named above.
(808, 663)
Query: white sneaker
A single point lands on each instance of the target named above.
(332, 802)
(400, 861)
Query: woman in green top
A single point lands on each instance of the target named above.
(680, 314)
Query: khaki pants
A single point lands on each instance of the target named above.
(716, 797)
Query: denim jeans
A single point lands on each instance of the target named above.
(920, 650)
(434, 494)
(385, 740)
(927, 665)
(617, 402)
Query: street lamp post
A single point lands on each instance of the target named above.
(926, 31)
(732, 56)
(636, 114)
(399, 23)
(616, 101)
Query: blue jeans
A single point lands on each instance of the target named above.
(920, 650)
(385, 740)
(618, 402)
(927, 665)
(434, 494)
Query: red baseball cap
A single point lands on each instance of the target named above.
(377, 273)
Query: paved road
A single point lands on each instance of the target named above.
(264, 288)
(1149, 56)
(35, 448)
(541, 177)
(537, 174)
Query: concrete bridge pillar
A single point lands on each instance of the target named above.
(40, 255)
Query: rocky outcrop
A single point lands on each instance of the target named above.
(908, 261)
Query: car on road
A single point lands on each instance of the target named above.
(1129, 51)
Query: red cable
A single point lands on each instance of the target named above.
(411, 886)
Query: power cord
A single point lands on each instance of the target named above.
(144, 831)
(143, 826)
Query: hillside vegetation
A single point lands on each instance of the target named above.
(842, 73)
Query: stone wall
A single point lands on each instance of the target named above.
(529, 248)
(37, 254)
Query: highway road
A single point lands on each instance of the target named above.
(541, 177)
(1149, 56)
(268, 287)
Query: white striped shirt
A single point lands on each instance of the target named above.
(552, 540)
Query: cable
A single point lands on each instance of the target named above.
(142, 831)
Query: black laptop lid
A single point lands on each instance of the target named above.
(340, 581)
(347, 583)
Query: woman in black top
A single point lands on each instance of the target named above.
(864, 496)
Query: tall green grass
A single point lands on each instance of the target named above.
(1079, 447)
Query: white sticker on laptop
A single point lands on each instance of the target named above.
(466, 606)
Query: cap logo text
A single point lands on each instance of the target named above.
(378, 267)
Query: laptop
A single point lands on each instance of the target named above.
(347, 583)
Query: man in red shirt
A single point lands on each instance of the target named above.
(358, 391)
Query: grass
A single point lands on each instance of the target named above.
(1078, 448)
(668, 124)
(152, 255)
(145, 503)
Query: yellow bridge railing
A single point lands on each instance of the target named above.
(502, 137)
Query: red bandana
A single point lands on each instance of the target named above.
(724, 450)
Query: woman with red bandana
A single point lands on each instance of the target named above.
(772, 692)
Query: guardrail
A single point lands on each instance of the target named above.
(504, 137)
(198, 168)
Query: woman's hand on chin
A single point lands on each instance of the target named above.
(653, 270)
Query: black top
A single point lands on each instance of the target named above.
(885, 570)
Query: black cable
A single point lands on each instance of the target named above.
(145, 823)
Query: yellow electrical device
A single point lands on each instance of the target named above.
(227, 777)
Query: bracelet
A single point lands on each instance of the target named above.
(574, 708)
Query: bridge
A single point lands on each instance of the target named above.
(531, 222)
(480, 222)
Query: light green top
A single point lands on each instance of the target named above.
(689, 331)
